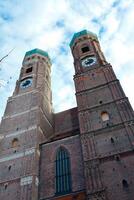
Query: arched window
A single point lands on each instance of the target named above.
(125, 183)
(85, 49)
(29, 69)
(15, 142)
(63, 173)
(104, 116)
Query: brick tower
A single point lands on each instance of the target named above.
(106, 122)
(26, 123)
(84, 153)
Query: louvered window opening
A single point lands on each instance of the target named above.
(63, 174)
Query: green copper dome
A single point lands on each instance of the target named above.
(81, 33)
(37, 51)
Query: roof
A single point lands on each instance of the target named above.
(81, 33)
(37, 51)
(66, 121)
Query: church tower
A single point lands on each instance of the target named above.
(27, 121)
(106, 122)
(84, 153)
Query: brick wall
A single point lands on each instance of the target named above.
(47, 166)
(113, 172)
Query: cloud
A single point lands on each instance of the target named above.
(127, 82)
(50, 25)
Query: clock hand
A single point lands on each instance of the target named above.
(87, 62)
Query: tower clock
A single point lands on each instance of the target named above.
(105, 115)
(26, 123)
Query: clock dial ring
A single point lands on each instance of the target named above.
(26, 83)
(88, 61)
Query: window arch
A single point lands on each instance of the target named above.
(85, 48)
(15, 142)
(63, 173)
(104, 116)
(125, 183)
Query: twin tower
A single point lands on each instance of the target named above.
(84, 153)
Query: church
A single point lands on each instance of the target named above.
(84, 153)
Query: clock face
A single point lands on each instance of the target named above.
(26, 83)
(88, 61)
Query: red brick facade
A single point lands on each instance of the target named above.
(97, 134)
(47, 166)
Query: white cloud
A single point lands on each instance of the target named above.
(50, 24)
(127, 83)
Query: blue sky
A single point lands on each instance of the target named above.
(50, 25)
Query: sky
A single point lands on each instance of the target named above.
(50, 25)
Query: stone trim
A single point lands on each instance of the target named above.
(20, 113)
(18, 155)
(62, 139)
(18, 132)
(26, 180)
(18, 95)
(1, 137)
(36, 181)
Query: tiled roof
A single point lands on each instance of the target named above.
(37, 51)
(84, 32)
